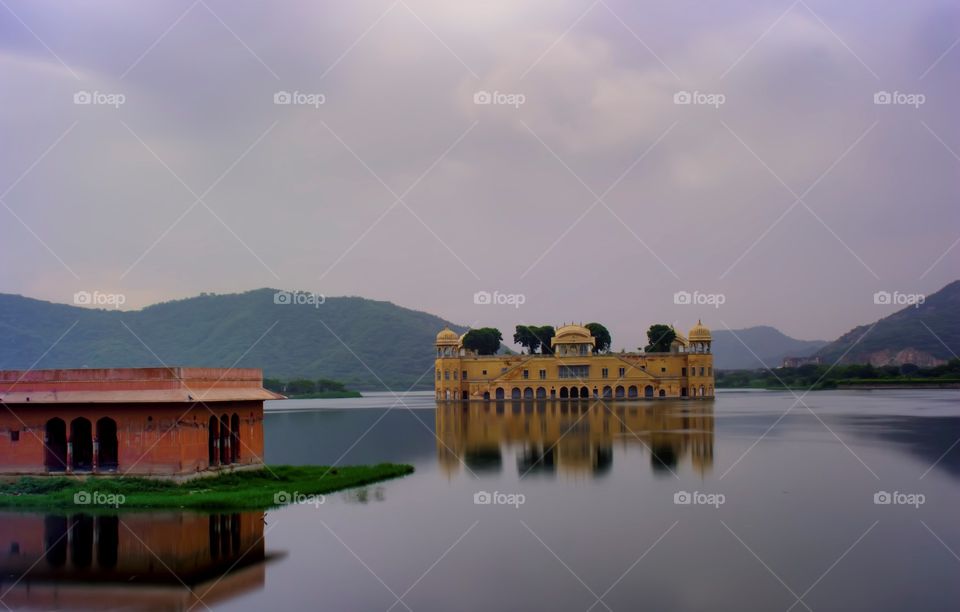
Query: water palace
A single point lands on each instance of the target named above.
(574, 371)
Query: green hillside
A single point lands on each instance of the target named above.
(395, 343)
(919, 335)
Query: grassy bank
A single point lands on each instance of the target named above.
(253, 490)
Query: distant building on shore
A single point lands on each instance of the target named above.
(161, 422)
(796, 362)
(574, 371)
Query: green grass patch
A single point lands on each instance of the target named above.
(244, 490)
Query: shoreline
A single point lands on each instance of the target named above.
(270, 487)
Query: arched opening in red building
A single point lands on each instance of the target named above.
(235, 438)
(224, 439)
(55, 439)
(107, 444)
(213, 442)
(81, 443)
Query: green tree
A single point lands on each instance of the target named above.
(526, 337)
(301, 386)
(545, 334)
(484, 340)
(600, 335)
(659, 338)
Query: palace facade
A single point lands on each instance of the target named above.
(574, 371)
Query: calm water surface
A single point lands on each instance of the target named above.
(583, 513)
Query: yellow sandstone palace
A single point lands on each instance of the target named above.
(573, 371)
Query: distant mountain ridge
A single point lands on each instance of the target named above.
(925, 335)
(350, 339)
(770, 345)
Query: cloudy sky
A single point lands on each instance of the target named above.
(435, 149)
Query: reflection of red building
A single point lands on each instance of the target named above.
(141, 421)
(153, 561)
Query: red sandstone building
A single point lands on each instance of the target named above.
(167, 422)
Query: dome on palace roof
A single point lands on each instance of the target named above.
(448, 336)
(699, 333)
(572, 330)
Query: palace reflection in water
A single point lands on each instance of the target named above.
(133, 560)
(573, 437)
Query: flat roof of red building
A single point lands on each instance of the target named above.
(133, 385)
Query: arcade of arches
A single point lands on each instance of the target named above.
(134, 422)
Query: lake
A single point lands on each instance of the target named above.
(846, 501)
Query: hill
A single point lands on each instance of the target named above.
(919, 335)
(770, 345)
(246, 330)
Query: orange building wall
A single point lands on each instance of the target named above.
(153, 439)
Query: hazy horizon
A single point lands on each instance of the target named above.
(596, 159)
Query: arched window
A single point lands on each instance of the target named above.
(648, 391)
(81, 442)
(235, 438)
(224, 439)
(107, 458)
(500, 393)
(515, 393)
(607, 392)
(213, 442)
(619, 392)
(55, 441)
(541, 393)
(632, 391)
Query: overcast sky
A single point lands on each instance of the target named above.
(584, 185)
